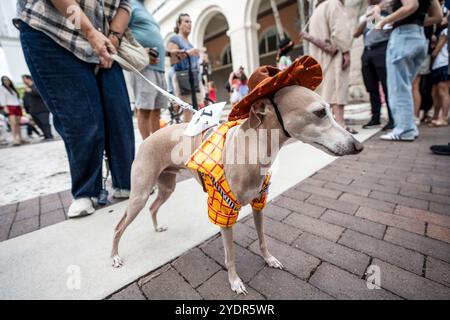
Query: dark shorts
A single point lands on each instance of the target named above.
(439, 75)
(14, 111)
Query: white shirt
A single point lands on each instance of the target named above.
(7, 98)
(442, 57)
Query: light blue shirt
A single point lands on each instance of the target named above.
(147, 32)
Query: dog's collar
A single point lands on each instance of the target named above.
(280, 119)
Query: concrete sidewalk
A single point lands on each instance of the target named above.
(388, 207)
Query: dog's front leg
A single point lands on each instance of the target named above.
(258, 218)
(235, 282)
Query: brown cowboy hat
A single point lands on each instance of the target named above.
(267, 80)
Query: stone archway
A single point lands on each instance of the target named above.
(210, 33)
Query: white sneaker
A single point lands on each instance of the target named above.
(393, 137)
(80, 207)
(121, 194)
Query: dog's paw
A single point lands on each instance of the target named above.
(273, 262)
(161, 229)
(238, 286)
(117, 262)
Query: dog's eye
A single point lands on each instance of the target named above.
(321, 113)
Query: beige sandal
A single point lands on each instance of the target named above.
(438, 123)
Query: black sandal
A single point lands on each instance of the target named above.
(351, 130)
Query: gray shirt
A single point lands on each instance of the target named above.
(373, 37)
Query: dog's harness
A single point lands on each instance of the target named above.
(223, 207)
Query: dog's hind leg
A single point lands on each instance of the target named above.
(237, 285)
(140, 192)
(166, 186)
(258, 218)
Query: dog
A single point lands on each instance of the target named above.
(302, 115)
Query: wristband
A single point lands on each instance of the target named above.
(118, 35)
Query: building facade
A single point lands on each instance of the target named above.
(243, 33)
(233, 33)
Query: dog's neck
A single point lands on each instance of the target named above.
(253, 152)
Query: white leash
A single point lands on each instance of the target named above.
(169, 96)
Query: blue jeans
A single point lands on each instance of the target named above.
(91, 112)
(407, 49)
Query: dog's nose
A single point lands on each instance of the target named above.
(358, 146)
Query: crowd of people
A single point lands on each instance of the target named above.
(404, 41)
(74, 76)
(35, 116)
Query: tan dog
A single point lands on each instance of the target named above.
(306, 117)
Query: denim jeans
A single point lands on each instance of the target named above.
(407, 49)
(91, 112)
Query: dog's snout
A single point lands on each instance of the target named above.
(358, 146)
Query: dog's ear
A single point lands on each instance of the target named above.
(258, 111)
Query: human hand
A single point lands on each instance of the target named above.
(345, 60)
(193, 52)
(380, 25)
(154, 60)
(374, 13)
(303, 36)
(114, 40)
(102, 46)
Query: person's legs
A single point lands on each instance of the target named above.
(70, 90)
(143, 121)
(404, 56)
(31, 128)
(436, 103)
(370, 77)
(427, 100)
(42, 119)
(442, 92)
(154, 120)
(119, 132)
(338, 111)
(417, 97)
(14, 122)
(382, 75)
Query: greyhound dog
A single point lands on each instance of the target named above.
(306, 117)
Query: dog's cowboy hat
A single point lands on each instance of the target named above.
(267, 80)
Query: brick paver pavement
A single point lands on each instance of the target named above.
(388, 207)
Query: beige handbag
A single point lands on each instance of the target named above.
(129, 50)
(132, 52)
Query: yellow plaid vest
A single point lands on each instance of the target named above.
(223, 207)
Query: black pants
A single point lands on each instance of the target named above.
(32, 129)
(374, 71)
(43, 122)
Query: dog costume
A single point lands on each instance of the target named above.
(223, 207)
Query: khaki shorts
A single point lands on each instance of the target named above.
(145, 96)
(425, 66)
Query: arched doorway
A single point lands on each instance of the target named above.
(218, 49)
(268, 38)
